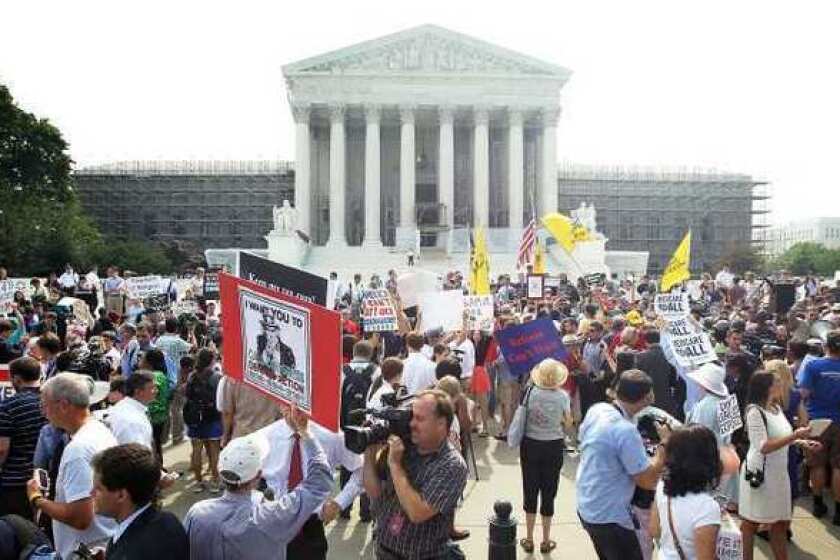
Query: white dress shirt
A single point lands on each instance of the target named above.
(129, 422)
(466, 353)
(418, 372)
(275, 469)
(124, 524)
(375, 400)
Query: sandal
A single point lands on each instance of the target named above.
(547, 546)
(527, 545)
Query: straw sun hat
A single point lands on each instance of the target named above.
(549, 374)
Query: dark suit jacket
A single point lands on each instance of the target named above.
(652, 361)
(154, 535)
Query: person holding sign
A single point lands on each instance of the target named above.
(764, 477)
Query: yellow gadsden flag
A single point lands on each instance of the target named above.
(567, 232)
(678, 269)
(479, 265)
(539, 258)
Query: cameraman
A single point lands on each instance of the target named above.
(416, 495)
(613, 462)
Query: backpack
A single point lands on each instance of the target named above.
(30, 543)
(354, 391)
(200, 406)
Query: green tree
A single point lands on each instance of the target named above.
(41, 223)
(136, 255)
(741, 257)
(810, 258)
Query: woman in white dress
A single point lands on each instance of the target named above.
(764, 481)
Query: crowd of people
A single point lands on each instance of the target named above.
(95, 401)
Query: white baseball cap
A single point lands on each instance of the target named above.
(710, 376)
(242, 459)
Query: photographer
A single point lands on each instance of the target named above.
(613, 462)
(415, 496)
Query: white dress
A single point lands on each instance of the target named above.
(771, 501)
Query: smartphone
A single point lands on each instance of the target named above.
(43, 479)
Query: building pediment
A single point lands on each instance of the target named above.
(425, 50)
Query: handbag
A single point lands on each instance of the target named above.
(516, 431)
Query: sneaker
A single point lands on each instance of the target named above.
(215, 488)
(199, 487)
(819, 510)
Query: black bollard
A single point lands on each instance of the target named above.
(502, 539)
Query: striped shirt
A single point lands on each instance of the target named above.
(21, 420)
(439, 478)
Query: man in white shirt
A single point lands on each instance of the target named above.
(278, 470)
(65, 399)
(128, 419)
(387, 383)
(418, 370)
(68, 281)
(464, 350)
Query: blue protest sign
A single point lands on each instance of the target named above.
(524, 346)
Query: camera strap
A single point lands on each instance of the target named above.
(674, 532)
(766, 431)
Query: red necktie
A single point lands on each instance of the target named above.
(296, 464)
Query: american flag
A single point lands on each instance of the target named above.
(527, 244)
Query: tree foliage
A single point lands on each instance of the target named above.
(741, 257)
(810, 258)
(42, 224)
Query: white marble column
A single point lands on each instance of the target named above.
(303, 192)
(338, 236)
(548, 191)
(372, 183)
(516, 170)
(481, 168)
(407, 228)
(446, 161)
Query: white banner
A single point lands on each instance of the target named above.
(728, 415)
(276, 347)
(691, 344)
(441, 310)
(671, 306)
(479, 312)
(378, 313)
(184, 306)
(412, 284)
(140, 287)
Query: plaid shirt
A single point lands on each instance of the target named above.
(439, 478)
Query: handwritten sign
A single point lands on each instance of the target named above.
(526, 345)
(535, 284)
(729, 545)
(378, 313)
(479, 312)
(673, 305)
(441, 310)
(728, 415)
(691, 344)
(412, 284)
(140, 287)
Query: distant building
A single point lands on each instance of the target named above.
(779, 238)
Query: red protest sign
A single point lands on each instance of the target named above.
(285, 347)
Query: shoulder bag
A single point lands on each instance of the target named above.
(516, 431)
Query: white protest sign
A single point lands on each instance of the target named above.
(378, 313)
(691, 344)
(479, 312)
(140, 287)
(729, 545)
(674, 305)
(441, 310)
(728, 416)
(8, 287)
(411, 284)
(184, 306)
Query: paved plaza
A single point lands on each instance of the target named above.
(499, 478)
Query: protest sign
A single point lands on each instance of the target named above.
(551, 282)
(412, 284)
(8, 287)
(595, 279)
(378, 313)
(286, 279)
(729, 544)
(159, 302)
(674, 305)
(6, 389)
(140, 287)
(479, 312)
(441, 310)
(728, 416)
(211, 283)
(526, 345)
(184, 306)
(535, 286)
(691, 344)
(288, 348)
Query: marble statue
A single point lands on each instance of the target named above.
(285, 218)
(586, 216)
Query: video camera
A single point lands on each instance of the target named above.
(377, 424)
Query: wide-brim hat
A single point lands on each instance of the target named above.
(571, 340)
(549, 374)
(710, 376)
(98, 391)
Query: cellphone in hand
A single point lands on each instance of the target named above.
(43, 479)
